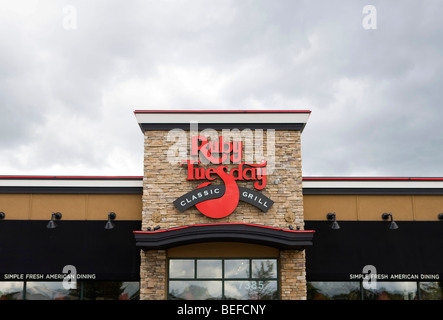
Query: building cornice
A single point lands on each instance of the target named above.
(149, 120)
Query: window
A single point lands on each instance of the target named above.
(431, 291)
(215, 279)
(110, 290)
(11, 290)
(49, 291)
(333, 290)
(53, 290)
(392, 291)
(384, 290)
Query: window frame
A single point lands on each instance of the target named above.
(223, 278)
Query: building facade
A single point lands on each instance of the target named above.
(221, 212)
(186, 151)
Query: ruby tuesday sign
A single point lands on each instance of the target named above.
(220, 200)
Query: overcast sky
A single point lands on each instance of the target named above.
(73, 72)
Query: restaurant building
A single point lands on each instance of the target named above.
(221, 212)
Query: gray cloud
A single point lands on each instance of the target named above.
(67, 96)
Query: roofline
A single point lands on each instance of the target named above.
(154, 120)
(63, 177)
(71, 184)
(305, 179)
(16, 184)
(324, 178)
(373, 185)
(222, 111)
(49, 177)
(372, 178)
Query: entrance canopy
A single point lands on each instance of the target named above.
(224, 232)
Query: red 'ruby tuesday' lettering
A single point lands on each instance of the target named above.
(218, 151)
(244, 171)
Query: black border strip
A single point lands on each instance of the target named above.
(72, 178)
(29, 247)
(66, 190)
(339, 254)
(219, 126)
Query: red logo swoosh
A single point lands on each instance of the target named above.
(226, 204)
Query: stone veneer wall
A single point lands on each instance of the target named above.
(164, 182)
(292, 275)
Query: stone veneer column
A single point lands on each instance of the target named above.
(164, 182)
(153, 275)
(292, 275)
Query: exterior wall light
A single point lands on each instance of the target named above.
(54, 216)
(331, 217)
(109, 224)
(393, 225)
(440, 216)
(2, 215)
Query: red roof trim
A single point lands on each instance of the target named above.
(230, 224)
(373, 178)
(75, 177)
(304, 178)
(222, 111)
